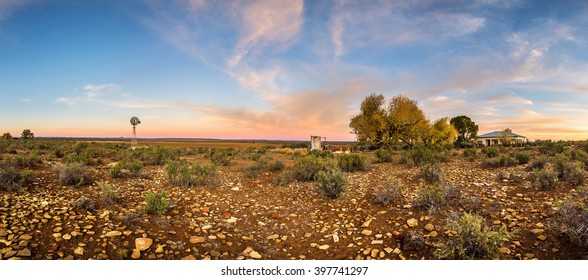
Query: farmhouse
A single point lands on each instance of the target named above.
(500, 137)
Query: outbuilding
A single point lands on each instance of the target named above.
(500, 138)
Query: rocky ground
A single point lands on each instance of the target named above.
(242, 218)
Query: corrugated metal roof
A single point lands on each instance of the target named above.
(498, 134)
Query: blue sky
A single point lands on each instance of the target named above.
(289, 69)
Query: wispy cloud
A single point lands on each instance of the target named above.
(7, 7)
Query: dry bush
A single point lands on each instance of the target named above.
(74, 174)
(392, 192)
(331, 184)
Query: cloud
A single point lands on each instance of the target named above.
(25, 100)
(71, 102)
(508, 98)
(355, 24)
(7, 7)
(267, 23)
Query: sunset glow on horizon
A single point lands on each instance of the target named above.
(265, 69)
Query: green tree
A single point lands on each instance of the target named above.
(467, 130)
(6, 135)
(506, 137)
(371, 124)
(407, 122)
(27, 134)
(440, 132)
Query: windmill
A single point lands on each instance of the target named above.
(134, 121)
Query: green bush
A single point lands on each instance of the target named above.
(84, 203)
(392, 192)
(284, 178)
(190, 175)
(116, 170)
(135, 167)
(109, 194)
(574, 175)
(432, 173)
(276, 165)
(522, 157)
(561, 165)
(433, 197)
(353, 162)
(29, 160)
(571, 220)
(502, 161)
(538, 164)
(490, 152)
(307, 167)
(474, 240)
(74, 174)
(253, 171)
(9, 179)
(384, 155)
(156, 203)
(471, 152)
(543, 179)
(221, 156)
(331, 184)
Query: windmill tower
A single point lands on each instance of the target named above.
(134, 121)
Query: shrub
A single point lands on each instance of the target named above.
(490, 152)
(109, 194)
(74, 175)
(116, 170)
(384, 155)
(543, 179)
(353, 162)
(135, 167)
(574, 175)
(538, 164)
(579, 155)
(390, 193)
(254, 170)
(130, 219)
(331, 184)
(58, 153)
(26, 177)
(307, 167)
(433, 197)
(522, 157)
(561, 165)
(283, 178)
(29, 160)
(220, 157)
(84, 203)
(189, 175)
(9, 178)
(474, 241)
(418, 156)
(571, 220)
(322, 153)
(471, 152)
(156, 203)
(276, 166)
(502, 161)
(432, 173)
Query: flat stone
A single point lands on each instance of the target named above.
(542, 237)
(388, 250)
(26, 237)
(159, 249)
(3, 233)
(412, 222)
(24, 253)
(189, 258)
(232, 220)
(377, 242)
(255, 255)
(374, 253)
(197, 239)
(66, 236)
(273, 236)
(113, 233)
(143, 244)
(433, 234)
(429, 227)
(205, 227)
(79, 251)
(539, 225)
(537, 231)
(366, 223)
(57, 229)
(396, 251)
(324, 247)
(504, 250)
(366, 232)
(136, 254)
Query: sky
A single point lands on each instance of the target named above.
(269, 69)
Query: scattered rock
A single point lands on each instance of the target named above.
(429, 227)
(413, 241)
(255, 255)
(542, 237)
(136, 254)
(504, 250)
(189, 258)
(324, 247)
(79, 251)
(113, 233)
(232, 220)
(433, 234)
(24, 253)
(412, 222)
(197, 239)
(143, 244)
(366, 232)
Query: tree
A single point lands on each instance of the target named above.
(371, 125)
(401, 120)
(467, 130)
(27, 134)
(406, 120)
(440, 132)
(6, 135)
(506, 137)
